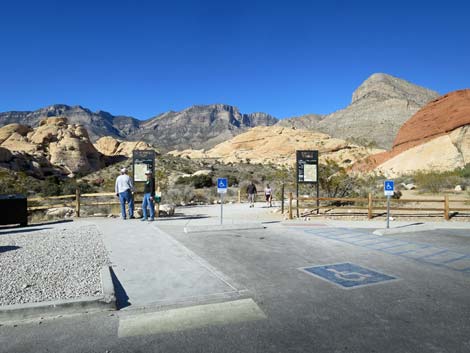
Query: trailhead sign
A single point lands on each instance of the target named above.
(143, 160)
(307, 166)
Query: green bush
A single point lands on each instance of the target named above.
(435, 182)
(198, 181)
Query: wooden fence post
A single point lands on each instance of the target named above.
(282, 199)
(446, 207)
(157, 204)
(369, 207)
(239, 196)
(77, 202)
(290, 206)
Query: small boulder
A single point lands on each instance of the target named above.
(60, 212)
(167, 210)
(458, 188)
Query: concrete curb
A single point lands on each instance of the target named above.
(107, 301)
(223, 227)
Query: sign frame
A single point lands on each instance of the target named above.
(306, 158)
(142, 160)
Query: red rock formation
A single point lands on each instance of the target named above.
(437, 118)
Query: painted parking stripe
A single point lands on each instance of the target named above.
(443, 257)
(460, 265)
(193, 317)
(384, 248)
(407, 248)
(378, 240)
(455, 259)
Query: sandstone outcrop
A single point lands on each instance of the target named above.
(54, 144)
(435, 138)
(277, 145)
(109, 146)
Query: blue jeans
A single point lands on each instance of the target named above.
(148, 203)
(126, 196)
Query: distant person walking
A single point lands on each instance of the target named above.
(149, 194)
(124, 190)
(251, 191)
(268, 192)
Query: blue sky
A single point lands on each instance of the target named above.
(286, 58)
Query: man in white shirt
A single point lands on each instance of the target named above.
(124, 190)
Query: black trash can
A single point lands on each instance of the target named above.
(13, 209)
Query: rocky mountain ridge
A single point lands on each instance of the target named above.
(199, 126)
(379, 106)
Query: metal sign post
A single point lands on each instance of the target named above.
(389, 189)
(307, 173)
(222, 185)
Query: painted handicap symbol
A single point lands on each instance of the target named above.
(221, 184)
(348, 275)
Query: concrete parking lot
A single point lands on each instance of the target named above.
(292, 287)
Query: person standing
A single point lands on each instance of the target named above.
(124, 190)
(251, 191)
(149, 193)
(268, 192)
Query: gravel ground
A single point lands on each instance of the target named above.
(63, 262)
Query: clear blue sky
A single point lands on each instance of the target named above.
(286, 58)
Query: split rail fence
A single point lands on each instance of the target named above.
(372, 205)
(78, 200)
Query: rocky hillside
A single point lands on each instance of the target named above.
(436, 138)
(53, 147)
(201, 126)
(304, 122)
(276, 144)
(379, 107)
(111, 147)
(97, 124)
(197, 127)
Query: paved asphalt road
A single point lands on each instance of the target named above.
(282, 308)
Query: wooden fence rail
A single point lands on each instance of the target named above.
(76, 201)
(372, 204)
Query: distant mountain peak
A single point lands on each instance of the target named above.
(383, 86)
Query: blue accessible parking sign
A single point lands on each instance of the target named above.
(222, 185)
(389, 187)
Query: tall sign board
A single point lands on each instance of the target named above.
(142, 161)
(307, 172)
(307, 167)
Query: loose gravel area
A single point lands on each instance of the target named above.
(50, 262)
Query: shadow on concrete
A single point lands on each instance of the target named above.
(8, 248)
(22, 230)
(122, 299)
(181, 216)
(51, 222)
(270, 222)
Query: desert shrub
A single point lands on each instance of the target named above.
(198, 181)
(18, 183)
(336, 181)
(178, 195)
(232, 180)
(435, 182)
